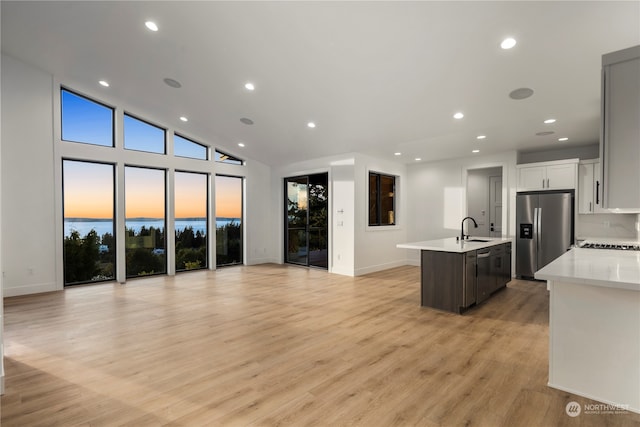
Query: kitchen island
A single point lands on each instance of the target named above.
(456, 275)
(594, 325)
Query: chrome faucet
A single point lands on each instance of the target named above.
(475, 224)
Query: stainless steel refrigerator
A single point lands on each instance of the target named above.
(544, 228)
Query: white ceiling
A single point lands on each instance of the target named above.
(376, 77)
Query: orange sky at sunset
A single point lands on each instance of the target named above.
(191, 195)
(88, 192)
(228, 197)
(143, 192)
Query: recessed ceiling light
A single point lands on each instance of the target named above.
(172, 82)
(184, 119)
(397, 154)
(563, 139)
(458, 115)
(104, 83)
(549, 121)
(151, 25)
(311, 125)
(481, 136)
(521, 93)
(249, 86)
(475, 151)
(246, 121)
(418, 159)
(240, 144)
(508, 43)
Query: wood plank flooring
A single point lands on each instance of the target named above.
(274, 345)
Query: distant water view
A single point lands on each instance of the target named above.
(102, 226)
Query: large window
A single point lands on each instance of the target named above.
(88, 203)
(84, 120)
(382, 190)
(228, 220)
(145, 221)
(191, 220)
(183, 147)
(142, 136)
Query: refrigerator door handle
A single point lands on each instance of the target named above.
(539, 224)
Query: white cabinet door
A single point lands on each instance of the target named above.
(531, 178)
(586, 189)
(620, 142)
(561, 177)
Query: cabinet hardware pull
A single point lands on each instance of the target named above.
(597, 192)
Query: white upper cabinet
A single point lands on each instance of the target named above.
(557, 175)
(620, 131)
(589, 189)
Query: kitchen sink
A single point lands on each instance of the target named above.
(477, 240)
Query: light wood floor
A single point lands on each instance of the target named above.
(280, 345)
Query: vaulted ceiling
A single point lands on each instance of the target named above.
(375, 77)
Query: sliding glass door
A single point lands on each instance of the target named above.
(307, 220)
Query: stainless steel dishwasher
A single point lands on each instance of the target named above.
(485, 280)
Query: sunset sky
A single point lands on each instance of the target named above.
(88, 192)
(144, 192)
(228, 197)
(89, 187)
(191, 195)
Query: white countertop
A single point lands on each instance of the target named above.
(451, 245)
(597, 267)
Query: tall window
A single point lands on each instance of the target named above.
(142, 136)
(144, 221)
(382, 199)
(191, 220)
(88, 203)
(84, 120)
(228, 220)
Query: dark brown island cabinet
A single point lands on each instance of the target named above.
(456, 281)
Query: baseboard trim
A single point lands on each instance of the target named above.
(380, 267)
(37, 288)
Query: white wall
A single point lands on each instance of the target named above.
(436, 196)
(607, 225)
(31, 181)
(375, 247)
(355, 248)
(28, 188)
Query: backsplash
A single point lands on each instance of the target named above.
(607, 225)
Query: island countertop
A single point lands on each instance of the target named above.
(452, 245)
(597, 267)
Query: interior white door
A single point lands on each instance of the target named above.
(495, 206)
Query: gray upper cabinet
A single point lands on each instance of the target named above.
(620, 129)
